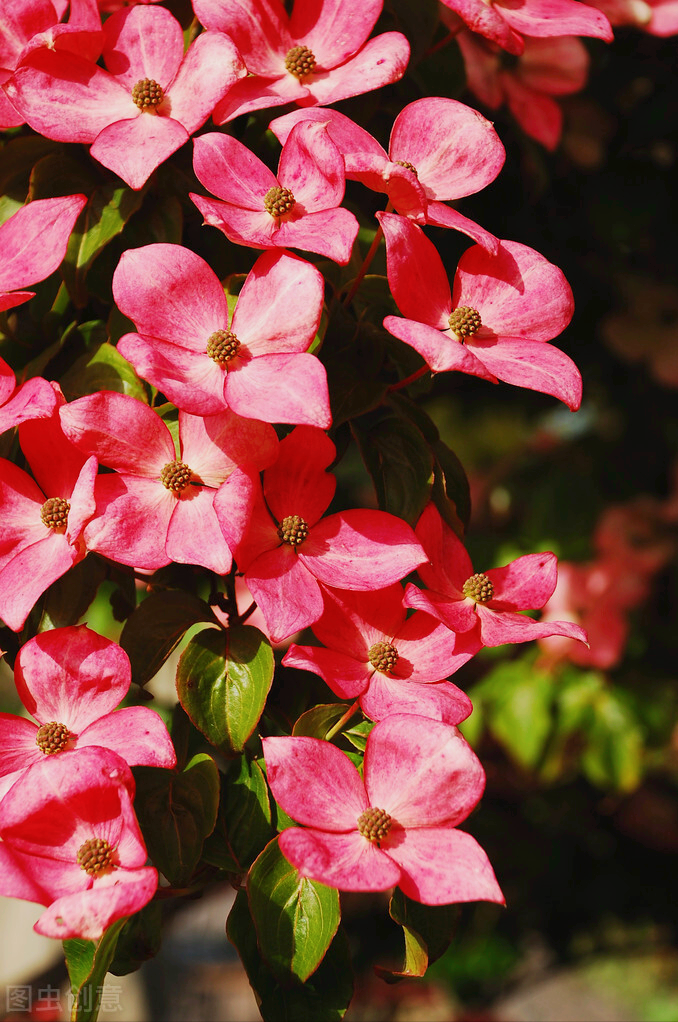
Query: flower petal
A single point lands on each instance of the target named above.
(189, 379)
(194, 535)
(346, 861)
(143, 42)
(439, 701)
(332, 29)
(531, 364)
(382, 60)
(89, 913)
(253, 389)
(285, 590)
(297, 484)
(346, 676)
(449, 564)
(439, 349)
(34, 240)
(441, 866)
(137, 733)
(132, 521)
(498, 627)
(416, 275)
(526, 583)
(231, 171)
(133, 148)
(211, 67)
(18, 750)
(312, 166)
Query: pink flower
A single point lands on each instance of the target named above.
(505, 21)
(70, 840)
(43, 523)
(494, 323)
(34, 399)
(488, 601)
(319, 54)
(547, 68)
(658, 17)
(286, 550)
(439, 149)
(300, 208)
(187, 348)
(33, 242)
(157, 508)
(70, 680)
(399, 825)
(392, 665)
(140, 110)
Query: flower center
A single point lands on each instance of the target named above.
(95, 856)
(54, 513)
(175, 476)
(479, 587)
(300, 62)
(278, 201)
(293, 530)
(407, 165)
(374, 824)
(147, 94)
(52, 737)
(222, 346)
(383, 656)
(465, 321)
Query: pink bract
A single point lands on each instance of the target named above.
(496, 319)
(309, 184)
(74, 678)
(335, 33)
(34, 399)
(392, 665)
(33, 242)
(490, 601)
(180, 310)
(286, 549)
(505, 22)
(34, 554)
(157, 507)
(421, 779)
(439, 149)
(658, 17)
(48, 817)
(71, 99)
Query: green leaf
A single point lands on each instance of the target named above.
(295, 918)
(19, 156)
(428, 931)
(317, 722)
(102, 368)
(451, 492)
(519, 714)
(614, 753)
(156, 627)
(139, 940)
(87, 962)
(68, 598)
(416, 19)
(60, 174)
(223, 679)
(104, 217)
(244, 824)
(353, 355)
(357, 735)
(400, 463)
(323, 998)
(176, 812)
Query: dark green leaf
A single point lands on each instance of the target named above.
(400, 463)
(19, 157)
(353, 355)
(451, 492)
(59, 174)
(317, 722)
(295, 918)
(87, 962)
(102, 368)
(428, 931)
(156, 627)
(68, 598)
(357, 735)
(416, 19)
(139, 940)
(176, 812)
(223, 679)
(244, 823)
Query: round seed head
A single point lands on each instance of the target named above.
(95, 856)
(54, 513)
(293, 530)
(383, 656)
(479, 588)
(407, 165)
(175, 476)
(222, 346)
(147, 94)
(374, 824)
(465, 321)
(300, 62)
(278, 201)
(52, 737)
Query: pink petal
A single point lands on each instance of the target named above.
(556, 17)
(34, 879)
(312, 166)
(209, 70)
(354, 621)
(34, 240)
(297, 484)
(21, 501)
(257, 93)
(382, 60)
(34, 399)
(354, 143)
(123, 432)
(314, 782)
(361, 549)
(190, 380)
(259, 28)
(280, 305)
(215, 445)
(171, 293)
(136, 733)
(24, 579)
(11, 299)
(441, 866)
(346, 676)
(421, 772)
(55, 461)
(23, 20)
(347, 861)
(438, 701)
(498, 627)
(230, 171)
(416, 275)
(526, 583)
(18, 749)
(71, 675)
(518, 292)
(439, 349)
(558, 66)
(143, 42)
(132, 149)
(329, 232)
(539, 116)
(531, 364)
(487, 21)
(449, 564)
(287, 593)
(406, 193)
(664, 20)
(240, 225)
(440, 215)
(254, 390)
(244, 517)
(194, 535)
(88, 913)
(426, 653)
(331, 29)
(455, 149)
(133, 516)
(83, 504)
(457, 614)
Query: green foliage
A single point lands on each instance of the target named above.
(139, 940)
(428, 931)
(244, 824)
(156, 627)
(88, 962)
(318, 721)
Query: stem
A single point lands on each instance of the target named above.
(371, 252)
(408, 379)
(342, 720)
(444, 42)
(250, 610)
